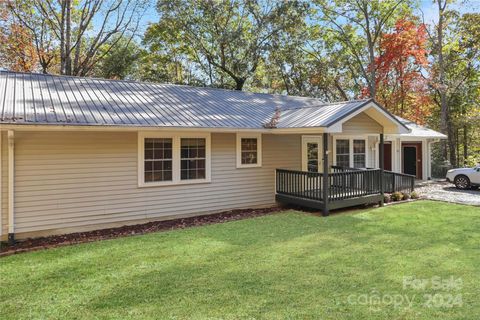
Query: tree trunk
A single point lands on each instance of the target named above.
(62, 38)
(239, 82)
(68, 37)
(451, 146)
(442, 86)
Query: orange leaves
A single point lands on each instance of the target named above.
(400, 85)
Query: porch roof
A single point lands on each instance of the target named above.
(41, 99)
(418, 131)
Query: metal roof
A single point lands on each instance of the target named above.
(419, 131)
(29, 98)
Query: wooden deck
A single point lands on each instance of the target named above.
(345, 187)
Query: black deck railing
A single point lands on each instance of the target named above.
(302, 184)
(393, 181)
(345, 186)
(341, 185)
(353, 184)
(401, 182)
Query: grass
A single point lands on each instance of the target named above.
(288, 265)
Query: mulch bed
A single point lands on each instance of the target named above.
(33, 244)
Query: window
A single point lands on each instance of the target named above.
(359, 154)
(249, 150)
(350, 152)
(343, 153)
(158, 159)
(312, 157)
(166, 159)
(193, 158)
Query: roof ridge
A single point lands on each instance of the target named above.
(329, 104)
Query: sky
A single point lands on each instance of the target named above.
(428, 7)
(430, 10)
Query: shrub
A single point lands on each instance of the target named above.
(387, 198)
(406, 195)
(414, 195)
(397, 196)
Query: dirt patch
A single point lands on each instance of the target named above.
(111, 233)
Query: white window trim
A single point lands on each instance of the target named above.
(241, 136)
(176, 180)
(350, 151)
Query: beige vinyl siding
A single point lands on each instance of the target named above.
(361, 124)
(86, 179)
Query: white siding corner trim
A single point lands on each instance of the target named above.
(176, 139)
(241, 136)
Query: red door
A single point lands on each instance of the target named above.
(412, 158)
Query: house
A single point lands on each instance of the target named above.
(79, 154)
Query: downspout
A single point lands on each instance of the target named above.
(11, 185)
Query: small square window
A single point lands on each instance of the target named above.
(248, 151)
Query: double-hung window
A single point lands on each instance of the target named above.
(350, 152)
(343, 152)
(158, 159)
(193, 158)
(169, 159)
(249, 150)
(359, 154)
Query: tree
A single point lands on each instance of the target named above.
(120, 61)
(17, 52)
(358, 26)
(455, 52)
(226, 39)
(400, 84)
(70, 24)
(295, 67)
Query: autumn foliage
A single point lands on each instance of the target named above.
(17, 51)
(400, 85)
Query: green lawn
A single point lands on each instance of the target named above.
(288, 265)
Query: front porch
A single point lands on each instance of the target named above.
(321, 186)
(340, 189)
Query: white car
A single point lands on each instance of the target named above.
(464, 178)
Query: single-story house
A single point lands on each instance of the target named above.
(79, 154)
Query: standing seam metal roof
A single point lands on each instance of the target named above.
(30, 98)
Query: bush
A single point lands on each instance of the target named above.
(406, 195)
(414, 195)
(397, 196)
(387, 198)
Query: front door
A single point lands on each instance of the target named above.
(312, 154)
(412, 159)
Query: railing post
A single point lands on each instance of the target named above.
(325, 174)
(382, 158)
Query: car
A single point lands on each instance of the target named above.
(464, 178)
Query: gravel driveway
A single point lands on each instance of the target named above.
(444, 191)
